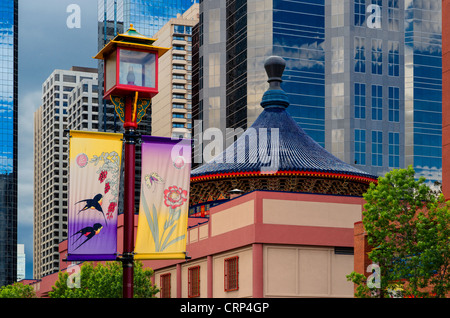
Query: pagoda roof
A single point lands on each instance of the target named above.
(276, 144)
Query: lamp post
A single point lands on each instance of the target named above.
(130, 81)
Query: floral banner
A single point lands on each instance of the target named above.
(95, 162)
(164, 205)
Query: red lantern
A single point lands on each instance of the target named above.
(130, 74)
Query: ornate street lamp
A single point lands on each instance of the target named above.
(130, 81)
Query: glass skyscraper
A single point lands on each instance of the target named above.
(234, 41)
(363, 76)
(8, 140)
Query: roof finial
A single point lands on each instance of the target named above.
(275, 96)
(274, 66)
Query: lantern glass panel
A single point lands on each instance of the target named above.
(110, 71)
(137, 68)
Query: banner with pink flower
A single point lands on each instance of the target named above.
(94, 177)
(164, 199)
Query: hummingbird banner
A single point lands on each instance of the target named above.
(94, 178)
(164, 198)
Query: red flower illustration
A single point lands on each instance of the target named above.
(107, 187)
(112, 207)
(174, 197)
(102, 176)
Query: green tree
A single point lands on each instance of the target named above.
(103, 281)
(408, 225)
(17, 290)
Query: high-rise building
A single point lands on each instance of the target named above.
(175, 77)
(363, 77)
(8, 143)
(21, 262)
(69, 101)
(234, 40)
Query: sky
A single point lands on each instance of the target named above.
(46, 43)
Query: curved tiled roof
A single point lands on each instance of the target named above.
(275, 143)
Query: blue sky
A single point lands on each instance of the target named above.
(45, 44)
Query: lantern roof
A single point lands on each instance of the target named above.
(130, 39)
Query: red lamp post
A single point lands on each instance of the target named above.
(130, 81)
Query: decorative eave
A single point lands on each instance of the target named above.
(130, 39)
(331, 175)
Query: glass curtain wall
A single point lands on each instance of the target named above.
(8, 141)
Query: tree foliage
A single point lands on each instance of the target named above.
(408, 227)
(102, 281)
(17, 290)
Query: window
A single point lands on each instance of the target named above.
(337, 59)
(337, 101)
(377, 102)
(393, 59)
(360, 100)
(231, 273)
(360, 12)
(377, 56)
(394, 104)
(393, 15)
(194, 281)
(165, 285)
(377, 148)
(360, 146)
(360, 55)
(394, 150)
(176, 125)
(337, 14)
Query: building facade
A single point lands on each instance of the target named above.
(63, 92)
(175, 77)
(8, 144)
(363, 77)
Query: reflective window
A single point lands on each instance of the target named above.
(359, 12)
(360, 55)
(337, 58)
(393, 15)
(377, 148)
(337, 14)
(394, 150)
(337, 100)
(394, 104)
(214, 70)
(360, 146)
(393, 58)
(337, 140)
(360, 100)
(377, 102)
(377, 56)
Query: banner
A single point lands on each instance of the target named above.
(95, 165)
(164, 200)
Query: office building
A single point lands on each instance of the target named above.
(383, 85)
(363, 77)
(234, 41)
(175, 77)
(8, 144)
(21, 262)
(63, 87)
